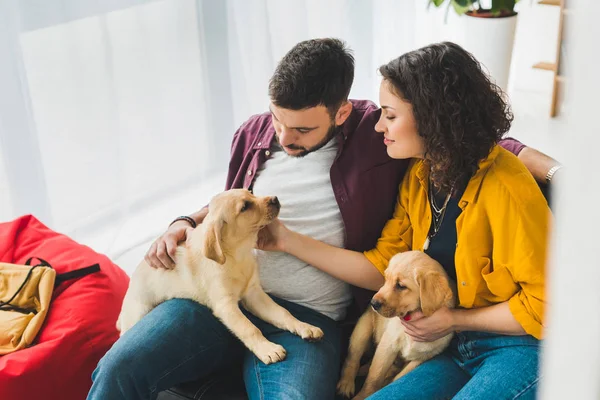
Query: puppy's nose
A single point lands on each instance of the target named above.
(376, 304)
(274, 201)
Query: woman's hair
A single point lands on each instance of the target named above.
(460, 113)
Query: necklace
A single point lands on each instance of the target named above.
(437, 213)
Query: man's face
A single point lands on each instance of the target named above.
(300, 132)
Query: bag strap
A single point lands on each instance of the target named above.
(78, 273)
(43, 262)
(60, 278)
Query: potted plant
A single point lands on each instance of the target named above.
(487, 30)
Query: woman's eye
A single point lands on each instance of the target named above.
(390, 118)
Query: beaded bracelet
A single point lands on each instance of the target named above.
(185, 218)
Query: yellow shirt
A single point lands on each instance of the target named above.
(502, 236)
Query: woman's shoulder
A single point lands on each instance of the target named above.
(508, 177)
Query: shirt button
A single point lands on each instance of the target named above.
(249, 172)
(259, 143)
(267, 153)
(464, 283)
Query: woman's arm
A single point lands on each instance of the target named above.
(347, 265)
(494, 319)
(350, 266)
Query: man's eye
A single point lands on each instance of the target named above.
(246, 206)
(303, 130)
(399, 286)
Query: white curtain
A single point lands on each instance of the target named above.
(108, 108)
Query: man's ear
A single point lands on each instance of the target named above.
(343, 113)
(434, 291)
(213, 245)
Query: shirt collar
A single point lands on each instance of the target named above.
(473, 187)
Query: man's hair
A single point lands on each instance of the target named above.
(314, 72)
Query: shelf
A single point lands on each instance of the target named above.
(548, 66)
(550, 2)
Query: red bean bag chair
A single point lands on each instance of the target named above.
(80, 326)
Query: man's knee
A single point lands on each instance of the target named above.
(158, 343)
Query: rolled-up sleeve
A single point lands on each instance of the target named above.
(528, 267)
(397, 233)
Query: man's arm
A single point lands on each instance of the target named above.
(162, 252)
(539, 164)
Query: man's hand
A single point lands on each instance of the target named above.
(272, 237)
(162, 252)
(428, 329)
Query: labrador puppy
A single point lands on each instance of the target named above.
(216, 267)
(413, 281)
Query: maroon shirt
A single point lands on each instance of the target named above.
(364, 178)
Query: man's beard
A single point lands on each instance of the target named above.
(331, 132)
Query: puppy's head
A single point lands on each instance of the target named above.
(413, 281)
(235, 216)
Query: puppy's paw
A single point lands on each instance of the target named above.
(346, 387)
(269, 352)
(309, 332)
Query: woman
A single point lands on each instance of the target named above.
(467, 203)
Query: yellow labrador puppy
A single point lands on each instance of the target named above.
(216, 267)
(413, 281)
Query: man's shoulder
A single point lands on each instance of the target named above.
(256, 124)
(363, 118)
(365, 109)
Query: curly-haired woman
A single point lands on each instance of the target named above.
(472, 206)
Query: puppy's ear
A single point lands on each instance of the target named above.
(213, 247)
(434, 291)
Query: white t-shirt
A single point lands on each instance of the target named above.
(308, 206)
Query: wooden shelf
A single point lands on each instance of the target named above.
(559, 80)
(550, 2)
(548, 66)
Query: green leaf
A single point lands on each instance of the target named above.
(461, 8)
(499, 6)
(464, 3)
(437, 3)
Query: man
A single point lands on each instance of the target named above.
(318, 152)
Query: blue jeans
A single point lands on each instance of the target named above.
(181, 340)
(475, 366)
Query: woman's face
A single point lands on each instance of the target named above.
(398, 125)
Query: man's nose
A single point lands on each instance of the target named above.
(286, 137)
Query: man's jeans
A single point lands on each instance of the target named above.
(475, 366)
(181, 340)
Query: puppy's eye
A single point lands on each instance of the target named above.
(246, 206)
(399, 286)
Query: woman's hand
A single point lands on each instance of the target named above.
(272, 237)
(428, 329)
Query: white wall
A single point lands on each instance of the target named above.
(572, 359)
